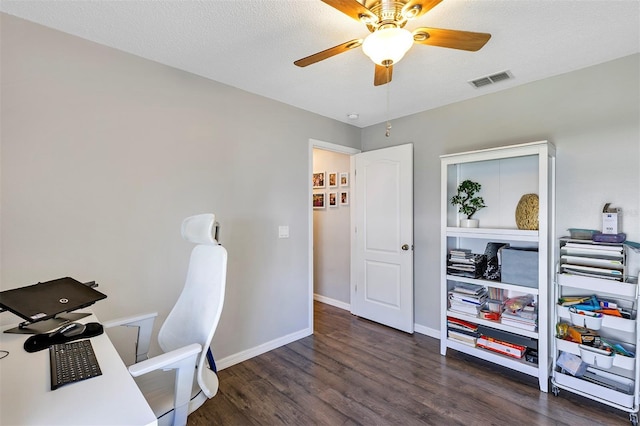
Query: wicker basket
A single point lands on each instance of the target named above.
(527, 212)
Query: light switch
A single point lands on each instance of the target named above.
(283, 231)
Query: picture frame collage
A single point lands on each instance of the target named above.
(336, 183)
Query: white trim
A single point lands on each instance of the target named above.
(261, 349)
(332, 302)
(427, 331)
(328, 146)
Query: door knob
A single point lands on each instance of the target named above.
(405, 247)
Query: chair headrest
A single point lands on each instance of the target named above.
(198, 229)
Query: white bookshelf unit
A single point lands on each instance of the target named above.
(620, 387)
(506, 174)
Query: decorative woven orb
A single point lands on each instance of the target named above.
(527, 212)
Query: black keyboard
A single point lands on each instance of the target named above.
(72, 362)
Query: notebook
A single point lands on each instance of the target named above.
(45, 300)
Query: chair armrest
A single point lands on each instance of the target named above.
(167, 361)
(183, 361)
(144, 323)
(129, 321)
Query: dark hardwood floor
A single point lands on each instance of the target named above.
(356, 372)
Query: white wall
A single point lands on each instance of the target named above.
(104, 153)
(331, 237)
(592, 116)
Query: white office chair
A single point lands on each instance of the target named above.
(168, 381)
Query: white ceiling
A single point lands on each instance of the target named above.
(251, 45)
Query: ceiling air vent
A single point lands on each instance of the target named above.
(491, 79)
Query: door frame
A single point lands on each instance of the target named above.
(327, 146)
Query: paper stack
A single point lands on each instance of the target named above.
(465, 264)
(526, 318)
(467, 298)
(594, 260)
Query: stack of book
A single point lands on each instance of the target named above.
(463, 263)
(526, 318)
(462, 331)
(593, 260)
(467, 298)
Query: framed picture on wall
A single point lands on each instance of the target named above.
(333, 179)
(318, 200)
(318, 180)
(344, 179)
(344, 198)
(333, 199)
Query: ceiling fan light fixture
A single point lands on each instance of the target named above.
(388, 45)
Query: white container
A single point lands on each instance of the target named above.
(596, 357)
(586, 319)
(469, 223)
(608, 321)
(621, 361)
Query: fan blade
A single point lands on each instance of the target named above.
(317, 57)
(454, 39)
(416, 8)
(352, 8)
(381, 77)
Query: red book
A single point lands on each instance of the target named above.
(505, 348)
(463, 323)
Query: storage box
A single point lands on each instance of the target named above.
(506, 336)
(582, 334)
(520, 266)
(572, 364)
(611, 219)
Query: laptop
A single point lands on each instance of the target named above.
(48, 305)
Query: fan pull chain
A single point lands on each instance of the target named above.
(388, 132)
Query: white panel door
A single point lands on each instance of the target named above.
(382, 275)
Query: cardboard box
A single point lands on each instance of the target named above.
(520, 266)
(611, 218)
(610, 223)
(582, 335)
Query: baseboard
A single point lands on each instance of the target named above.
(431, 332)
(259, 350)
(234, 359)
(285, 340)
(332, 302)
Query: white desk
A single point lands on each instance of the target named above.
(26, 397)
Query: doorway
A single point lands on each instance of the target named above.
(329, 224)
(380, 204)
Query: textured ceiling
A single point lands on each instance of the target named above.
(252, 44)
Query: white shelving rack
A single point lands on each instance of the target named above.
(626, 331)
(506, 174)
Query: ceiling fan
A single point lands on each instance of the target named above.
(389, 41)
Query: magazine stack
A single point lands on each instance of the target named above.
(463, 263)
(467, 298)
